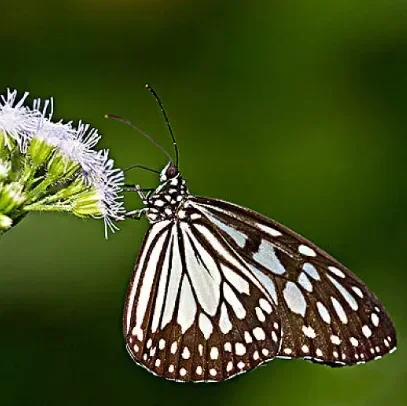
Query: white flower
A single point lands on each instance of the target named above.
(17, 120)
(54, 166)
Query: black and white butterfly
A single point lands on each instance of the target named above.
(219, 289)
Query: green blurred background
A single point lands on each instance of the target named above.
(296, 109)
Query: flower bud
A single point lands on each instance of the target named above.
(5, 222)
(40, 151)
(87, 204)
(60, 167)
(11, 196)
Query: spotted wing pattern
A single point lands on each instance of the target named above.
(194, 312)
(327, 314)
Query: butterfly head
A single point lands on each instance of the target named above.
(164, 202)
(170, 171)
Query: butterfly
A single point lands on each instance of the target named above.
(219, 289)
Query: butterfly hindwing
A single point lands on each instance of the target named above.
(193, 311)
(328, 315)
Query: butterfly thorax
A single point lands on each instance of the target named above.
(164, 202)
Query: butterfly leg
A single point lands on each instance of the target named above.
(136, 188)
(140, 191)
(135, 214)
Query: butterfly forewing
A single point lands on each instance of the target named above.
(194, 312)
(327, 314)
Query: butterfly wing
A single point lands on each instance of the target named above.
(194, 312)
(327, 314)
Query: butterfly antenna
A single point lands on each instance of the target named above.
(141, 167)
(167, 121)
(129, 123)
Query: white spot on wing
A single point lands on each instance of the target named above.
(187, 306)
(162, 284)
(174, 347)
(236, 235)
(267, 257)
(214, 354)
(161, 344)
(323, 312)
(154, 231)
(204, 272)
(269, 230)
(366, 331)
(240, 349)
(265, 305)
(266, 282)
(339, 311)
(336, 271)
(241, 365)
(307, 251)
(218, 247)
(348, 297)
(260, 315)
(205, 325)
(174, 281)
(375, 319)
(305, 282)
(148, 278)
(335, 340)
(358, 291)
(294, 298)
(234, 302)
(308, 331)
(248, 337)
(224, 322)
(259, 333)
(186, 353)
(311, 271)
(236, 280)
(138, 332)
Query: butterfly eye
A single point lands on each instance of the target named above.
(171, 171)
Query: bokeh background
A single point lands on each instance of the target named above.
(295, 109)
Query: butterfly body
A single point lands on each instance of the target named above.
(165, 201)
(219, 289)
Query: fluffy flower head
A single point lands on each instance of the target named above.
(53, 166)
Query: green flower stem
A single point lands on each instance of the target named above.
(42, 207)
